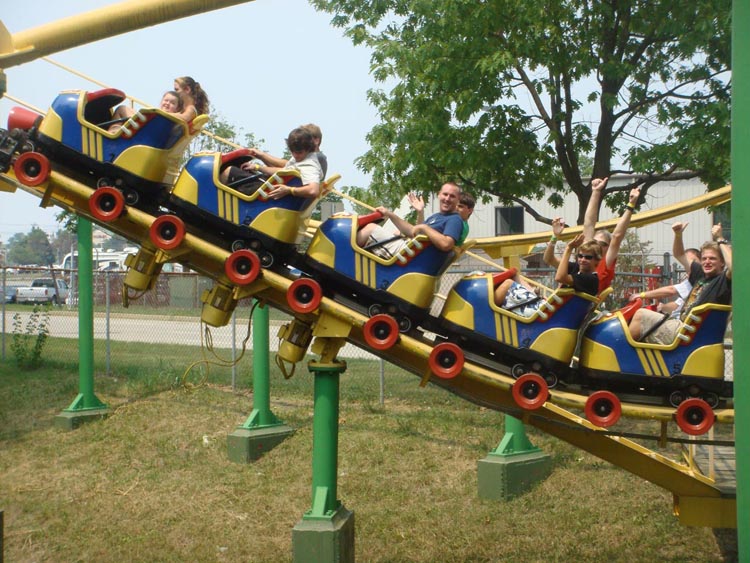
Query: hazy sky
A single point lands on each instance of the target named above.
(267, 66)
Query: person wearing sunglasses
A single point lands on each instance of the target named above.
(582, 274)
(609, 243)
(518, 296)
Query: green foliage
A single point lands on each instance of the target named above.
(30, 248)
(364, 195)
(64, 240)
(69, 221)
(518, 97)
(28, 341)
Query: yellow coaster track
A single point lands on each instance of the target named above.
(698, 501)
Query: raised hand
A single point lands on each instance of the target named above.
(416, 201)
(598, 184)
(558, 226)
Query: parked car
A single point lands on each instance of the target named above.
(9, 293)
(43, 290)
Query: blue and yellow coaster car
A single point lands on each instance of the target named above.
(548, 337)
(74, 133)
(405, 282)
(694, 358)
(208, 204)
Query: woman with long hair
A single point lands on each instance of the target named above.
(194, 98)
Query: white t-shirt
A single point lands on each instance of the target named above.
(309, 169)
(683, 290)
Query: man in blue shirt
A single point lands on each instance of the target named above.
(443, 228)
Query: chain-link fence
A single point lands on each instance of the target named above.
(164, 323)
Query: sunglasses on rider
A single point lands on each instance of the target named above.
(586, 256)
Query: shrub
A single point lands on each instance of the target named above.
(28, 342)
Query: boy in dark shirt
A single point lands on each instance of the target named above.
(711, 281)
(581, 275)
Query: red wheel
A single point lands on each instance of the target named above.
(31, 168)
(304, 295)
(381, 332)
(530, 391)
(694, 416)
(446, 360)
(603, 408)
(106, 204)
(242, 267)
(167, 232)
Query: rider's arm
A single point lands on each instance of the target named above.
(562, 276)
(658, 293)
(724, 248)
(438, 240)
(549, 252)
(618, 235)
(268, 159)
(592, 209)
(678, 247)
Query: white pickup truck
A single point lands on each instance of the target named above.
(42, 290)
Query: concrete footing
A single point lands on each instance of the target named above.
(324, 540)
(249, 444)
(502, 477)
(70, 420)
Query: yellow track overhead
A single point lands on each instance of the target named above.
(109, 21)
(512, 245)
(697, 499)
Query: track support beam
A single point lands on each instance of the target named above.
(86, 406)
(326, 531)
(262, 431)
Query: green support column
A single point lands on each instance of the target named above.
(326, 532)
(86, 406)
(262, 431)
(741, 265)
(513, 467)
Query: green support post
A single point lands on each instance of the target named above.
(262, 431)
(741, 265)
(86, 406)
(326, 532)
(513, 467)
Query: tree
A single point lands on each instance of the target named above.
(30, 248)
(510, 97)
(62, 243)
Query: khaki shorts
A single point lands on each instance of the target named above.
(665, 334)
(388, 249)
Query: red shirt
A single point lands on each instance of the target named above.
(606, 275)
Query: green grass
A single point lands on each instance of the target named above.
(153, 483)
